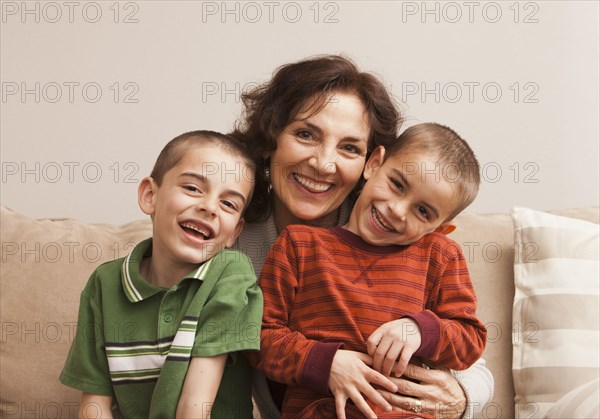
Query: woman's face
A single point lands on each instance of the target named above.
(318, 160)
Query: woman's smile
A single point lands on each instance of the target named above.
(312, 185)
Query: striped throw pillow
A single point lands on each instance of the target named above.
(556, 311)
(583, 402)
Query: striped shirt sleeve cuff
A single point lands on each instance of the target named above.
(315, 374)
(430, 333)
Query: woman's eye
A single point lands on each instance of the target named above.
(351, 148)
(304, 134)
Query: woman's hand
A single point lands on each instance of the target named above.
(437, 393)
(351, 377)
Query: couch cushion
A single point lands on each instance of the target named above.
(45, 264)
(556, 313)
(582, 402)
(486, 241)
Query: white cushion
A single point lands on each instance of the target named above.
(556, 312)
(582, 402)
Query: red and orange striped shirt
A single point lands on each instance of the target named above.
(327, 288)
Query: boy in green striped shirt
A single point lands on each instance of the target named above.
(159, 330)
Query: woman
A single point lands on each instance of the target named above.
(312, 128)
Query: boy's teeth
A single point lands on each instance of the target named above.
(379, 221)
(321, 187)
(201, 230)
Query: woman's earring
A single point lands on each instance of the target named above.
(267, 171)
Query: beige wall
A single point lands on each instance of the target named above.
(91, 91)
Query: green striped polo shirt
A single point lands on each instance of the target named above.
(134, 340)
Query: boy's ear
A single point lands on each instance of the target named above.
(374, 162)
(147, 195)
(446, 228)
(236, 233)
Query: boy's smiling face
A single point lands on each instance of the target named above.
(197, 208)
(404, 198)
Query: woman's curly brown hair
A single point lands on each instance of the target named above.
(270, 107)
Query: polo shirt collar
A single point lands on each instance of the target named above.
(135, 287)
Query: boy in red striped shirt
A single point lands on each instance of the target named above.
(389, 283)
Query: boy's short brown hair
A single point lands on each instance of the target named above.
(456, 160)
(173, 152)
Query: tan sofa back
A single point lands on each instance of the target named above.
(45, 264)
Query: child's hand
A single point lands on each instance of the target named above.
(351, 377)
(395, 340)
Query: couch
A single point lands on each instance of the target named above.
(46, 262)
